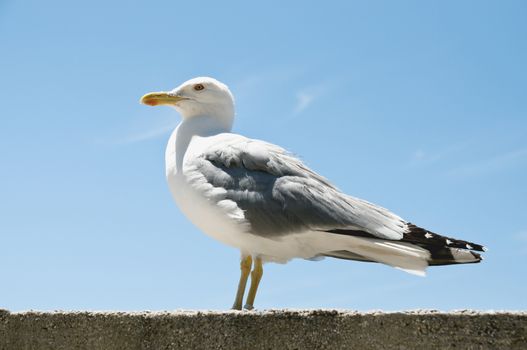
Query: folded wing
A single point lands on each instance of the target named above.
(278, 195)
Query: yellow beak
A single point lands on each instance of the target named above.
(161, 98)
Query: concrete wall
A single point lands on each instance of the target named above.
(262, 330)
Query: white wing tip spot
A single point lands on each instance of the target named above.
(428, 235)
(485, 249)
(468, 246)
(448, 242)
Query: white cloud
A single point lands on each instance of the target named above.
(307, 96)
(425, 157)
(142, 129)
(252, 85)
(491, 164)
(150, 133)
(303, 100)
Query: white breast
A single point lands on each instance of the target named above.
(218, 220)
(222, 219)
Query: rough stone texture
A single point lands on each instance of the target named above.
(278, 329)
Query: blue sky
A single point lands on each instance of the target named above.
(419, 106)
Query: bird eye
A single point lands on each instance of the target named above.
(199, 87)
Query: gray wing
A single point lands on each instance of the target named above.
(279, 195)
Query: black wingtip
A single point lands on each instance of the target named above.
(418, 235)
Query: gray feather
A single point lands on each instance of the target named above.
(279, 195)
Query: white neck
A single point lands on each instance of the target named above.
(181, 137)
(212, 116)
(204, 125)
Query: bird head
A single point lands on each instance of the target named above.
(201, 96)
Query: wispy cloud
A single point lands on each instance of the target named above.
(306, 96)
(251, 90)
(303, 100)
(490, 164)
(421, 156)
(142, 130)
(150, 133)
(252, 84)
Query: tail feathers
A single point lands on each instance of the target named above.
(422, 237)
(407, 257)
(450, 256)
(410, 258)
(441, 250)
(444, 250)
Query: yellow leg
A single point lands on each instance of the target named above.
(256, 276)
(245, 267)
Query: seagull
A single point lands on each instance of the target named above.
(261, 199)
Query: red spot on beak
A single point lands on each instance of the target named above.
(150, 102)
